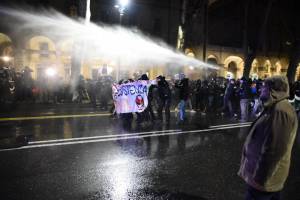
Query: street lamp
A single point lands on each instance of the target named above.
(191, 67)
(121, 6)
(124, 2)
(50, 72)
(6, 59)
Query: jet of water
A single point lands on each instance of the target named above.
(129, 46)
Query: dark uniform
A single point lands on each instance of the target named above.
(164, 100)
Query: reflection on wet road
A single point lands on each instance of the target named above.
(154, 161)
(89, 125)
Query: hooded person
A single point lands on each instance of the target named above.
(144, 77)
(164, 98)
(267, 151)
(183, 87)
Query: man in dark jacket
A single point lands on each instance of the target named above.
(198, 94)
(164, 100)
(204, 97)
(228, 96)
(245, 97)
(183, 87)
(267, 151)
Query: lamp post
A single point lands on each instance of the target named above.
(6, 59)
(121, 6)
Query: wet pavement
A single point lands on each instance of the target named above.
(96, 158)
(54, 123)
(32, 109)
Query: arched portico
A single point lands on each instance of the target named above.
(6, 50)
(40, 55)
(213, 60)
(234, 65)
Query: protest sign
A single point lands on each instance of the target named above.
(131, 97)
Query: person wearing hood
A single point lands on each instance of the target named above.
(267, 151)
(183, 87)
(164, 98)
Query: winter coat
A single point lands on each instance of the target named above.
(245, 91)
(229, 92)
(266, 154)
(183, 87)
(164, 90)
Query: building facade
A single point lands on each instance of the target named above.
(173, 21)
(41, 51)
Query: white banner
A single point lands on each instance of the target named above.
(131, 97)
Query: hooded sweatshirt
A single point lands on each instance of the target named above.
(267, 151)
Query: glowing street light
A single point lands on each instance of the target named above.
(50, 72)
(6, 58)
(121, 6)
(124, 3)
(191, 67)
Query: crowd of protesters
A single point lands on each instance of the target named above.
(15, 86)
(18, 87)
(235, 99)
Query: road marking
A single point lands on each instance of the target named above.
(52, 117)
(237, 124)
(123, 138)
(122, 135)
(99, 137)
(90, 114)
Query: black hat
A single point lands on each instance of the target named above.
(144, 77)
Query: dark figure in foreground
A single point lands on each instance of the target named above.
(267, 151)
(164, 100)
